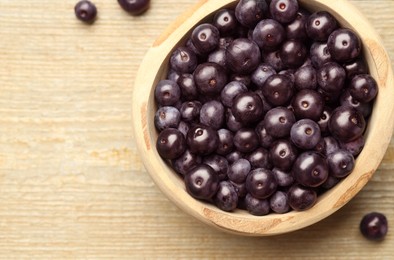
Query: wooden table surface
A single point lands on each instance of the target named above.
(72, 185)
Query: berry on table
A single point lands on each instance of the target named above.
(85, 11)
(374, 226)
(134, 7)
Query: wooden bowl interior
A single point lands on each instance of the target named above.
(378, 134)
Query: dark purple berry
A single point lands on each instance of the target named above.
(202, 140)
(283, 154)
(247, 108)
(167, 93)
(239, 170)
(341, 163)
(85, 11)
(310, 169)
(273, 59)
(187, 87)
(289, 73)
(284, 11)
(354, 147)
(226, 142)
(173, 75)
(278, 122)
(363, 88)
(344, 45)
(331, 98)
(257, 207)
(305, 78)
(265, 139)
(261, 183)
(226, 197)
(305, 134)
(183, 60)
(202, 182)
(244, 79)
(210, 78)
(296, 29)
(242, 56)
(200, 55)
(283, 178)
(331, 77)
(218, 56)
(225, 21)
(167, 117)
(319, 54)
(261, 74)
(346, 99)
(330, 182)
(205, 38)
(186, 162)
(224, 42)
(170, 143)
(320, 146)
(301, 198)
(240, 189)
(308, 104)
(320, 25)
(293, 53)
(212, 114)
(355, 67)
(183, 127)
(259, 158)
(234, 156)
(190, 110)
(231, 122)
(230, 91)
(279, 202)
(324, 119)
(218, 163)
(346, 123)
(268, 34)
(134, 7)
(250, 12)
(278, 89)
(331, 145)
(374, 226)
(266, 106)
(246, 140)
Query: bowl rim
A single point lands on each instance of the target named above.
(154, 66)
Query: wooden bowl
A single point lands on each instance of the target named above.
(378, 134)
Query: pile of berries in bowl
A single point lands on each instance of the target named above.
(259, 115)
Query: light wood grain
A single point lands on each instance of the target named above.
(72, 185)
